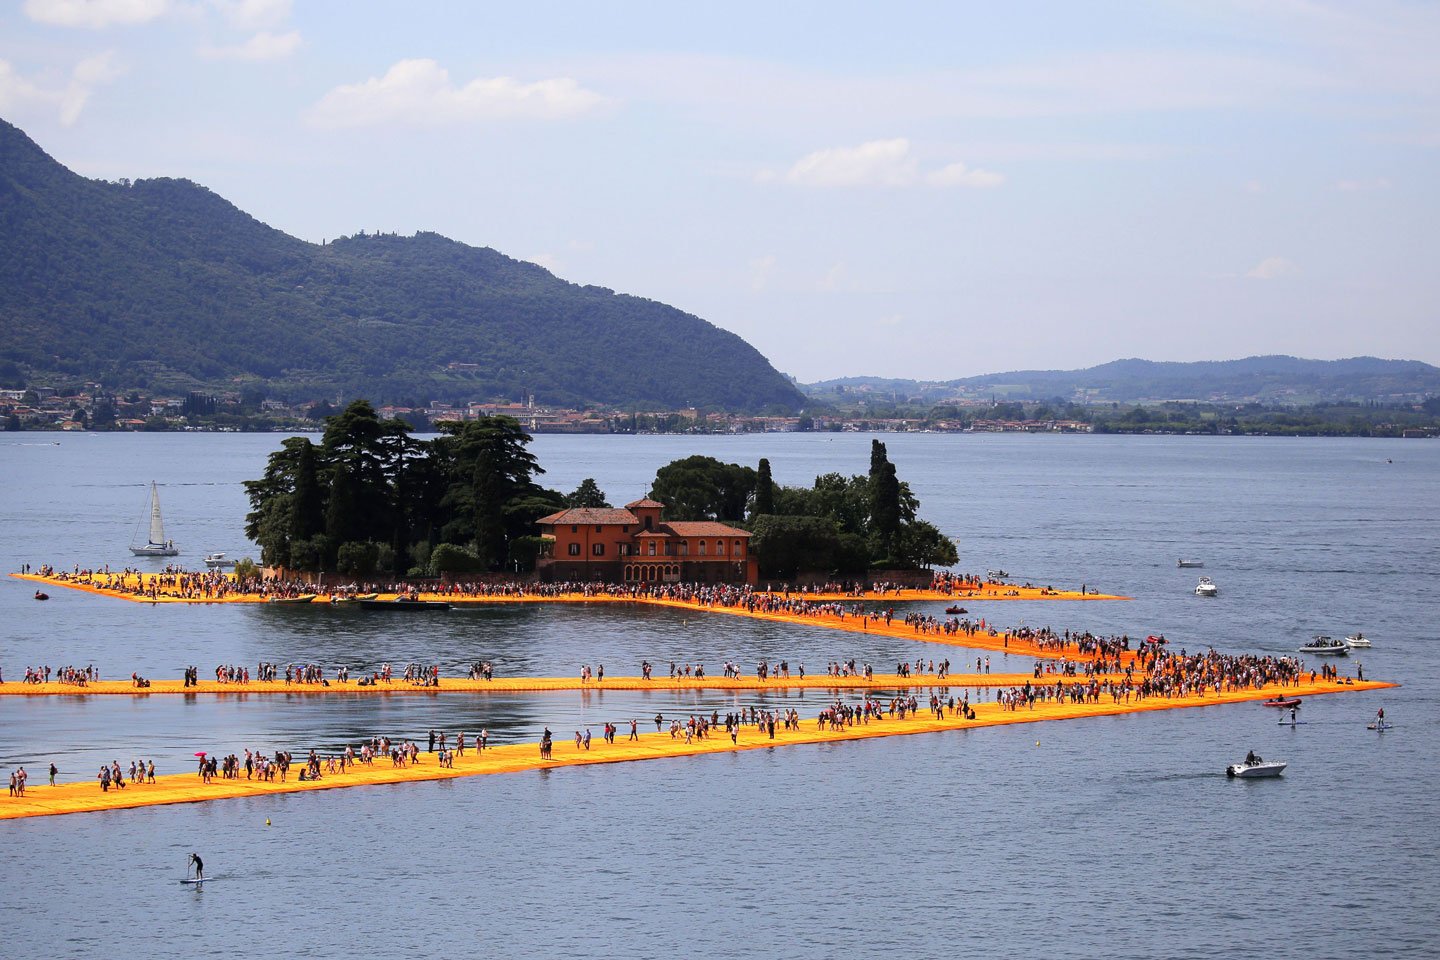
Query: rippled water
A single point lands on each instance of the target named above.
(1115, 836)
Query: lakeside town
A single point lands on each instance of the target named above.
(93, 408)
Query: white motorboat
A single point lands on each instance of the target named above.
(157, 545)
(996, 574)
(1189, 563)
(1325, 647)
(1358, 641)
(1206, 588)
(1254, 766)
(218, 561)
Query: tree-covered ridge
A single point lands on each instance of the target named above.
(161, 284)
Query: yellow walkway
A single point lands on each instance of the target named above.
(133, 586)
(42, 800)
(884, 681)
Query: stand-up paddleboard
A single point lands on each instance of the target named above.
(1292, 723)
(1382, 727)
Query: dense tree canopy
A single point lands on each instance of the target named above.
(369, 498)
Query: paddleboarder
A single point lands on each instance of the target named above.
(199, 866)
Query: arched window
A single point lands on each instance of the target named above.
(702, 548)
(719, 548)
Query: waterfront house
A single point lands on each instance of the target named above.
(633, 545)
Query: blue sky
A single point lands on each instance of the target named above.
(901, 189)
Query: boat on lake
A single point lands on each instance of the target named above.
(1323, 646)
(955, 610)
(1206, 588)
(1189, 563)
(1358, 641)
(1283, 702)
(218, 561)
(997, 574)
(157, 545)
(303, 598)
(1254, 766)
(403, 603)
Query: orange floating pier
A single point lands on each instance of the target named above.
(878, 681)
(41, 801)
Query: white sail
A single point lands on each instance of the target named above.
(157, 526)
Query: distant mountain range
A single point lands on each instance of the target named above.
(162, 284)
(1275, 379)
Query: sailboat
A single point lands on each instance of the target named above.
(157, 546)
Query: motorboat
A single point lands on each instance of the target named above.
(218, 561)
(1156, 640)
(303, 598)
(41, 595)
(1285, 703)
(1325, 647)
(1358, 641)
(997, 574)
(1185, 564)
(1254, 766)
(1206, 588)
(403, 603)
(955, 610)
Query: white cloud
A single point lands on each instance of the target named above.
(253, 14)
(1361, 186)
(878, 163)
(94, 14)
(959, 175)
(18, 93)
(262, 46)
(1273, 268)
(421, 92)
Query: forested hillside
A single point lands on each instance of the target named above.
(162, 284)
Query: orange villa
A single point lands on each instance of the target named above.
(635, 545)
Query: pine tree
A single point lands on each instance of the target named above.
(764, 490)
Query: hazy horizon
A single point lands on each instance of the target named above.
(931, 191)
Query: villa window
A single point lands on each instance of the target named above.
(651, 551)
(599, 549)
(739, 547)
(702, 548)
(719, 548)
(599, 529)
(574, 549)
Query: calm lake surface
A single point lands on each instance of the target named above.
(1115, 837)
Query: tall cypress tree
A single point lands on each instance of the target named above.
(884, 499)
(764, 489)
(307, 509)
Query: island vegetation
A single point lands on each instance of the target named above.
(372, 499)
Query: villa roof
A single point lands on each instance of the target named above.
(599, 516)
(705, 528)
(645, 503)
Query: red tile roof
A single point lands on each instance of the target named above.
(644, 503)
(705, 528)
(591, 515)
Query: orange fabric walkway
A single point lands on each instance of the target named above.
(124, 587)
(880, 681)
(87, 797)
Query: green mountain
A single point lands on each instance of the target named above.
(1275, 379)
(162, 284)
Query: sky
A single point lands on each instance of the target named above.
(899, 189)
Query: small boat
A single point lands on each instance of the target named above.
(997, 574)
(1185, 564)
(1325, 647)
(955, 610)
(1156, 641)
(40, 595)
(303, 598)
(1358, 641)
(1284, 703)
(1206, 588)
(157, 545)
(403, 603)
(217, 561)
(1254, 766)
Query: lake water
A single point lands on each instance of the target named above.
(1117, 837)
